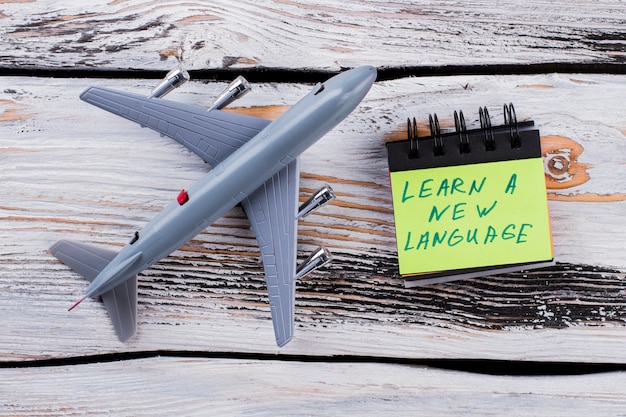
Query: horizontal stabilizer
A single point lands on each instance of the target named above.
(121, 303)
(88, 261)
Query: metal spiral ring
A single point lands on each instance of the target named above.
(435, 132)
(461, 130)
(510, 118)
(485, 124)
(412, 136)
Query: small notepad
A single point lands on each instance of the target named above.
(469, 203)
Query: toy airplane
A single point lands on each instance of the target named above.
(255, 163)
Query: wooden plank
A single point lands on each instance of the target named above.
(145, 34)
(190, 387)
(70, 170)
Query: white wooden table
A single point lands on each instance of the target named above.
(364, 344)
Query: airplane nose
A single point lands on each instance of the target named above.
(363, 80)
(356, 80)
(362, 72)
(368, 72)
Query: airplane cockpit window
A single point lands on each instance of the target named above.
(320, 88)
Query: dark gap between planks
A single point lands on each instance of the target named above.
(305, 75)
(478, 366)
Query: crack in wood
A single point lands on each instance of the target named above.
(478, 366)
(262, 74)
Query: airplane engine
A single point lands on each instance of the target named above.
(235, 90)
(320, 198)
(174, 79)
(319, 257)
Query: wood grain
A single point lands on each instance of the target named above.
(143, 34)
(197, 387)
(88, 176)
(70, 170)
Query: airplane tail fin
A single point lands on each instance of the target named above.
(88, 261)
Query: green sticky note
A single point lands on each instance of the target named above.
(471, 216)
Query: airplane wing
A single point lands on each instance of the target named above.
(272, 211)
(212, 135)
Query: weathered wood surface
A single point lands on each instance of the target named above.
(74, 171)
(307, 34)
(244, 387)
(70, 170)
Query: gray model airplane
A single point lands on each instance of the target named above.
(255, 163)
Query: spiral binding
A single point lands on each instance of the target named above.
(510, 121)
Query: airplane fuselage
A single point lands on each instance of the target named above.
(239, 175)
